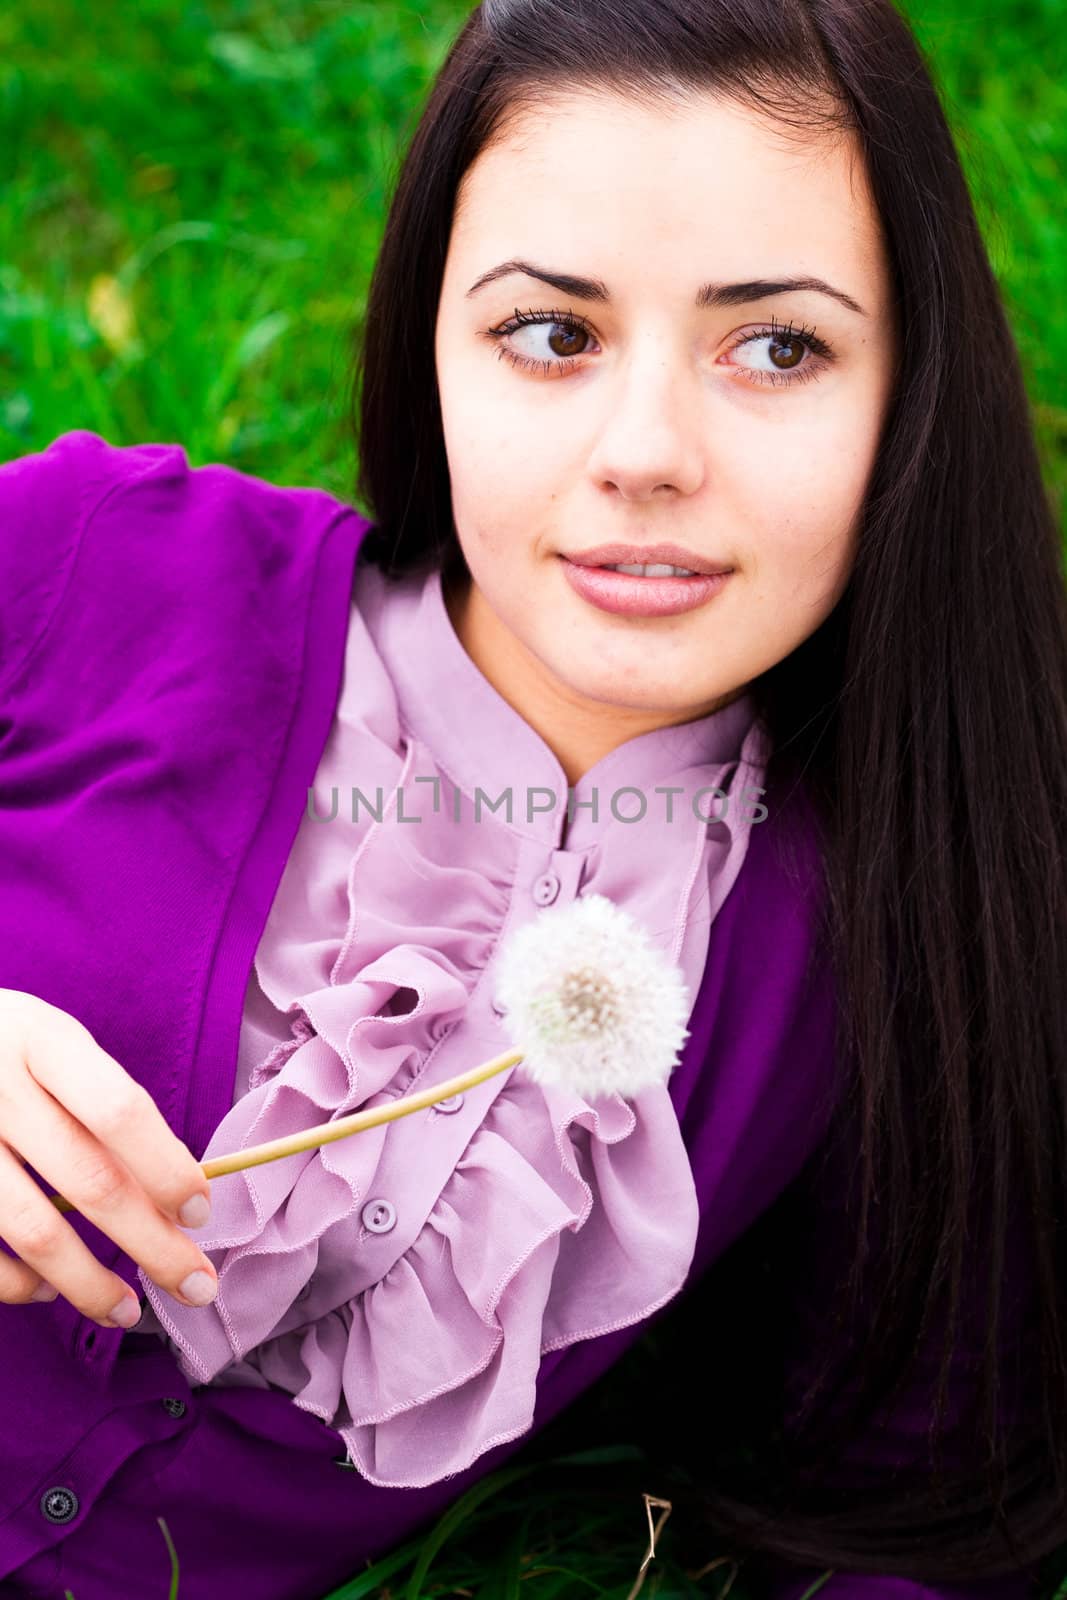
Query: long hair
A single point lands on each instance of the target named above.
(927, 716)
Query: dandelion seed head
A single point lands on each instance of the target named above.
(591, 1002)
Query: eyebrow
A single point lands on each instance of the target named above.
(709, 294)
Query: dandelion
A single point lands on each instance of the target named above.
(592, 1005)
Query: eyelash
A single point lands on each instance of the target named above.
(782, 332)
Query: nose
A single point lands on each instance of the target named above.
(652, 432)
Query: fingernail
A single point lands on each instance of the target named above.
(195, 1212)
(44, 1291)
(200, 1288)
(127, 1312)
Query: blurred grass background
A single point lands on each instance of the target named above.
(193, 195)
(194, 190)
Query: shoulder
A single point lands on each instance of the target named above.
(129, 526)
(45, 498)
(80, 481)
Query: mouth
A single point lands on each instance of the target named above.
(661, 561)
(643, 594)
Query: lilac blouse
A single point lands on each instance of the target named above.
(404, 1283)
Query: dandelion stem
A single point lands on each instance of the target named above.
(308, 1138)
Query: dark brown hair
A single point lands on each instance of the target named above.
(927, 717)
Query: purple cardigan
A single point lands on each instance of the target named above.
(171, 648)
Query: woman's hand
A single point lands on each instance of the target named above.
(98, 1138)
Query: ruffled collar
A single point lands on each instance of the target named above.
(403, 1284)
(449, 704)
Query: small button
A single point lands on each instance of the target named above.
(176, 1408)
(501, 1010)
(452, 1102)
(379, 1216)
(546, 889)
(59, 1504)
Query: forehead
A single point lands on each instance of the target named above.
(695, 179)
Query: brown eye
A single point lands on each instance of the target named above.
(791, 350)
(566, 339)
(781, 354)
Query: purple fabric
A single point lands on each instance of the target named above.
(171, 653)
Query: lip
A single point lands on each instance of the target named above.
(632, 555)
(631, 596)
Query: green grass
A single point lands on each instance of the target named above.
(556, 1526)
(534, 1523)
(196, 277)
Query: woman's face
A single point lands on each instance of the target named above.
(743, 428)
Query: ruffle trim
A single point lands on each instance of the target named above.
(538, 1238)
(403, 1283)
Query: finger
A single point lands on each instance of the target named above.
(98, 1185)
(18, 1282)
(62, 1056)
(27, 1227)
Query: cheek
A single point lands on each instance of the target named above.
(489, 534)
(807, 551)
(802, 486)
(507, 440)
(800, 568)
(493, 514)
(500, 488)
(490, 458)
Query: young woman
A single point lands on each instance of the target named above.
(682, 283)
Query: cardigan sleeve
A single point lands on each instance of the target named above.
(892, 1452)
(46, 501)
